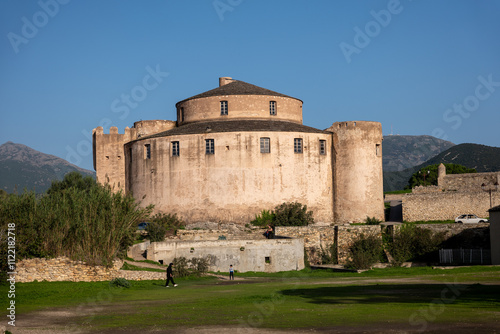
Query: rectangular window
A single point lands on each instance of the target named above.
(272, 108)
(378, 150)
(265, 146)
(209, 146)
(175, 149)
(223, 107)
(297, 145)
(147, 151)
(322, 147)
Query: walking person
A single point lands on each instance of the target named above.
(170, 275)
(231, 272)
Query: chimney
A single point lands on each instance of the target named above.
(224, 81)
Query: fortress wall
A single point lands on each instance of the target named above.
(469, 181)
(358, 171)
(109, 159)
(146, 128)
(237, 181)
(447, 205)
(268, 255)
(241, 107)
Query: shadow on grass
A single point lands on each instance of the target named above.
(482, 295)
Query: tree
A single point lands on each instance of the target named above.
(72, 180)
(428, 175)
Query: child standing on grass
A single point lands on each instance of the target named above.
(231, 272)
(170, 275)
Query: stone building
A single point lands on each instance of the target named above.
(238, 149)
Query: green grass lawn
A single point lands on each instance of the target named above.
(305, 299)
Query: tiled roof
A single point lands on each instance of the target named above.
(236, 126)
(237, 88)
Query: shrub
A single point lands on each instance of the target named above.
(265, 218)
(78, 218)
(199, 265)
(181, 266)
(292, 214)
(414, 243)
(365, 251)
(156, 232)
(329, 255)
(170, 222)
(372, 221)
(120, 282)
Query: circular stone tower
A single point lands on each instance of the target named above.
(358, 179)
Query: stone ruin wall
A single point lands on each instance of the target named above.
(319, 239)
(470, 182)
(447, 205)
(64, 269)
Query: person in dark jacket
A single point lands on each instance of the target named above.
(170, 275)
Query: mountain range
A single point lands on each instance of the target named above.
(481, 157)
(22, 167)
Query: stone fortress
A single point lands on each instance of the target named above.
(238, 149)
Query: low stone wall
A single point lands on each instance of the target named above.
(426, 189)
(392, 197)
(447, 205)
(319, 239)
(64, 269)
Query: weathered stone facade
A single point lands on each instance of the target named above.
(268, 255)
(226, 164)
(446, 205)
(64, 269)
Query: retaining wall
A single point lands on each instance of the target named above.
(64, 269)
(319, 239)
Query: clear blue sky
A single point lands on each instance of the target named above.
(418, 67)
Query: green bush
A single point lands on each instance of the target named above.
(372, 221)
(199, 265)
(181, 267)
(265, 218)
(156, 231)
(329, 255)
(292, 214)
(411, 242)
(170, 222)
(365, 251)
(120, 282)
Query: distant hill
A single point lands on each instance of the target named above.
(481, 157)
(402, 152)
(23, 167)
